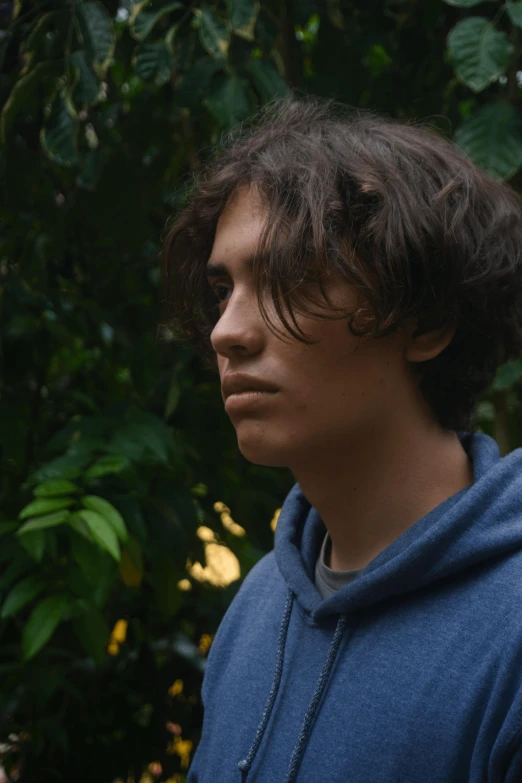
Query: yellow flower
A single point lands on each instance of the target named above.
(119, 632)
(205, 533)
(222, 566)
(220, 507)
(181, 748)
(204, 643)
(175, 688)
(273, 523)
(118, 636)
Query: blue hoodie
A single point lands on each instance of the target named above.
(411, 673)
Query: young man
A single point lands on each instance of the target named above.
(366, 279)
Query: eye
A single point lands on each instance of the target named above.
(216, 290)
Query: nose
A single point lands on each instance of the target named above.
(240, 326)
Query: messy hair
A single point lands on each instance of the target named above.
(394, 208)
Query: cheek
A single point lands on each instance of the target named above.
(338, 379)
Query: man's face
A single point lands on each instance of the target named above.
(332, 394)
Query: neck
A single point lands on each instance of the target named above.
(370, 492)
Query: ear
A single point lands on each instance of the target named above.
(420, 348)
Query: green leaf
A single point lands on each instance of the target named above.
(479, 52)
(111, 463)
(195, 82)
(76, 583)
(154, 62)
(335, 14)
(67, 466)
(143, 437)
(40, 523)
(242, 15)
(200, 490)
(267, 80)
(507, 375)
(17, 567)
(38, 83)
(230, 103)
(492, 138)
(21, 594)
(97, 32)
(485, 411)
(7, 527)
(173, 397)
(93, 633)
(107, 510)
(87, 86)
(60, 130)
(80, 527)
(131, 564)
(213, 33)
(34, 544)
(41, 624)
(91, 169)
(46, 40)
(377, 59)
(146, 15)
(170, 38)
(514, 12)
(102, 532)
(55, 487)
(95, 564)
(464, 3)
(44, 506)
(104, 583)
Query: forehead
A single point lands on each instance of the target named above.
(239, 226)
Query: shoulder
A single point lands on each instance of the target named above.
(265, 568)
(254, 599)
(261, 581)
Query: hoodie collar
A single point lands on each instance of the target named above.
(478, 522)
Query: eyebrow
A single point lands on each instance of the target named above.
(220, 269)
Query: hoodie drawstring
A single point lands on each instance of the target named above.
(245, 765)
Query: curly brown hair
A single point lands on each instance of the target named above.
(394, 208)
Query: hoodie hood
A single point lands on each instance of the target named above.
(479, 522)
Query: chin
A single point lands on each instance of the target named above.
(261, 452)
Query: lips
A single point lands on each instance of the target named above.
(236, 383)
(249, 400)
